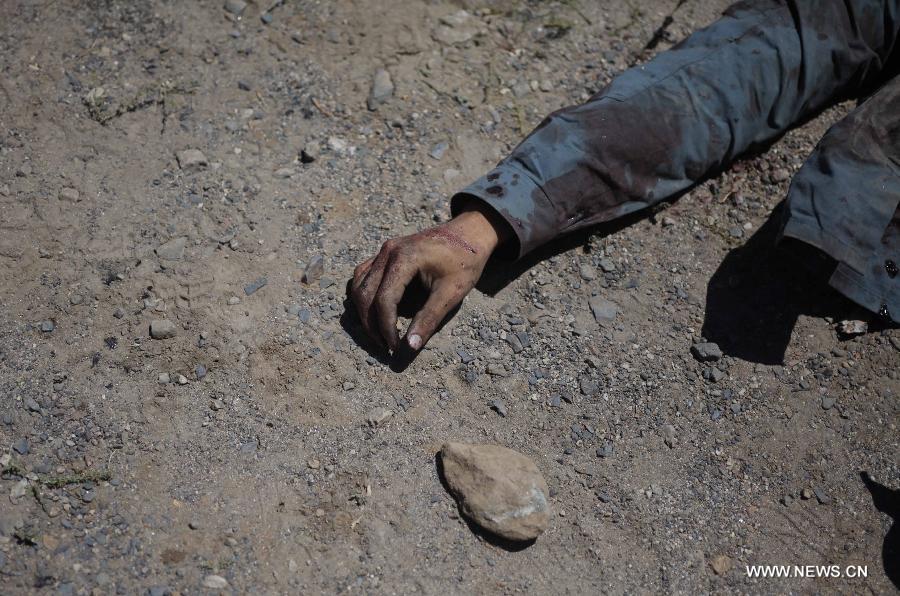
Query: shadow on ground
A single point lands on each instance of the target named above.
(755, 297)
(887, 501)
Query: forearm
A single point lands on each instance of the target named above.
(658, 129)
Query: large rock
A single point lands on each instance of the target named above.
(499, 489)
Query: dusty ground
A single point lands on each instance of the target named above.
(266, 471)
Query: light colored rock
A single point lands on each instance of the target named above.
(382, 89)
(604, 311)
(215, 582)
(850, 328)
(191, 159)
(721, 564)
(173, 250)
(162, 329)
(497, 488)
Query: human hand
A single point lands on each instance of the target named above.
(448, 260)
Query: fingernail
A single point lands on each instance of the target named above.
(415, 342)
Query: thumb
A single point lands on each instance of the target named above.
(444, 297)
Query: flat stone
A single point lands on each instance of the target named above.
(162, 329)
(382, 89)
(191, 159)
(706, 352)
(604, 310)
(215, 582)
(47, 326)
(587, 272)
(497, 488)
(252, 287)
(173, 250)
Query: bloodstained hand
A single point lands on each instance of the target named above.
(447, 259)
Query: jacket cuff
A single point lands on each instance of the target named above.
(518, 199)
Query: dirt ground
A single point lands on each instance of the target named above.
(250, 445)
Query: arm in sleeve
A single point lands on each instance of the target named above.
(658, 129)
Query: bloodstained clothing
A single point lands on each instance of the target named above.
(658, 129)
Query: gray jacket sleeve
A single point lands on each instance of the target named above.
(660, 128)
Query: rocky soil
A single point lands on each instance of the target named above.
(187, 406)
